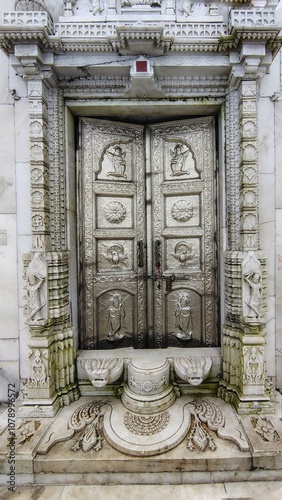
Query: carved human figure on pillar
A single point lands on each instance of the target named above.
(253, 279)
(183, 314)
(116, 315)
(36, 275)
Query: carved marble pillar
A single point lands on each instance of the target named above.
(244, 372)
(51, 382)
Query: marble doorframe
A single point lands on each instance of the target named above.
(54, 343)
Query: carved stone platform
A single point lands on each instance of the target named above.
(98, 440)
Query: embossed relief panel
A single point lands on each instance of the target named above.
(148, 235)
(112, 218)
(184, 223)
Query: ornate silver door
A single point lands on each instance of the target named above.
(147, 234)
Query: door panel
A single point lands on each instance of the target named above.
(183, 172)
(147, 234)
(112, 299)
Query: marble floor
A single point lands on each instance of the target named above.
(218, 491)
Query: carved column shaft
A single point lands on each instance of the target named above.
(232, 167)
(249, 166)
(51, 381)
(39, 164)
(244, 373)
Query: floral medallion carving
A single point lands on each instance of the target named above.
(182, 211)
(265, 429)
(115, 212)
(146, 425)
(26, 430)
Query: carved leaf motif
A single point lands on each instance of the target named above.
(199, 437)
(89, 417)
(209, 413)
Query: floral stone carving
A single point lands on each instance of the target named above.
(210, 414)
(194, 369)
(103, 371)
(115, 212)
(89, 420)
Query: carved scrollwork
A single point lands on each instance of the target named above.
(89, 420)
(148, 386)
(38, 368)
(212, 416)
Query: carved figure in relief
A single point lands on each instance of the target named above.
(183, 314)
(115, 255)
(96, 7)
(183, 253)
(179, 157)
(118, 159)
(253, 279)
(36, 274)
(187, 7)
(116, 315)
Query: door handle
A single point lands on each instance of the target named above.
(168, 282)
(158, 255)
(140, 253)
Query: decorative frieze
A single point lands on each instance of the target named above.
(35, 18)
(57, 170)
(232, 167)
(251, 17)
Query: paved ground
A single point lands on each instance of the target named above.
(228, 491)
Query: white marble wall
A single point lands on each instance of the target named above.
(9, 332)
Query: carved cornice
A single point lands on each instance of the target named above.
(207, 35)
(141, 38)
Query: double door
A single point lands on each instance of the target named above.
(147, 234)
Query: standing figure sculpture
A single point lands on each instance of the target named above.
(116, 315)
(253, 279)
(183, 315)
(35, 276)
